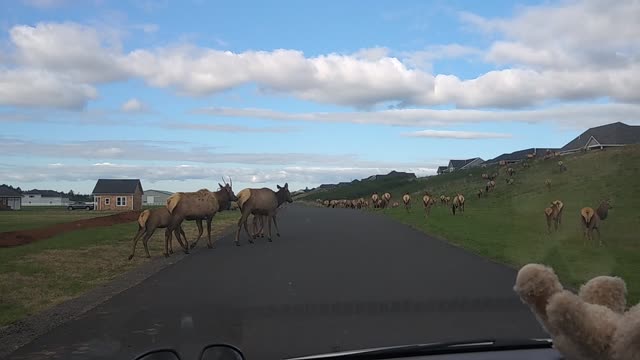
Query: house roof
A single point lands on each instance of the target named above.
(611, 134)
(6, 191)
(520, 154)
(43, 193)
(457, 164)
(442, 168)
(159, 191)
(116, 186)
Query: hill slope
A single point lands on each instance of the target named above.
(509, 225)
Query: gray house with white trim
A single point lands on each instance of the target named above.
(600, 137)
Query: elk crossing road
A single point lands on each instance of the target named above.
(337, 279)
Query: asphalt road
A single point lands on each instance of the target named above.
(336, 280)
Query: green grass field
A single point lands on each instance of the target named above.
(35, 217)
(47, 272)
(509, 226)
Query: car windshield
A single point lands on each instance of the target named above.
(295, 178)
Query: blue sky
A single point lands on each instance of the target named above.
(181, 93)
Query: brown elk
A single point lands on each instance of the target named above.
(326, 203)
(427, 202)
(374, 198)
(200, 205)
(458, 203)
(262, 202)
(591, 219)
(509, 181)
(511, 171)
(485, 176)
(406, 200)
(480, 193)
(387, 197)
(553, 213)
(443, 200)
(562, 166)
(150, 220)
(547, 183)
(395, 204)
(447, 200)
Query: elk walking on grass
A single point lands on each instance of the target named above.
(591, 219)
(406, 199)
(151, 219)
(427, 202)
(547, 183)
(553, 214)
(458, 204)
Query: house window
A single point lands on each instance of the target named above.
(107, 201)
(121, 201)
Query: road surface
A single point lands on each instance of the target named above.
(337, 279)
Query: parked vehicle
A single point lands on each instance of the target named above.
(80, 206)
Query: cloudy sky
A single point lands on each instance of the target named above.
(181, 93)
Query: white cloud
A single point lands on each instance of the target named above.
(448, 134)
(32, 87)
(133, 105)
(78, 52)
(578, 115)
(560, 52)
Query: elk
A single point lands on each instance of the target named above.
(374, 198)
(200, 205)
(387, 197)
(480, 193)
(458, 203)
(547, 183)
(591, 219)
(553, 213)
(326, 203)
(562, 166)
(525, 164)
(406, 199)
(447, 200)
(395, 204)
(427, 202)
(150, 220)
(382, 203)
(511, 171)
(262, 202)
(443, 200)
(485, 176)
(509, 181)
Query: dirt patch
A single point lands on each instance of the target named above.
(22, 237)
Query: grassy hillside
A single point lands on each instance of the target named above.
(509, 226)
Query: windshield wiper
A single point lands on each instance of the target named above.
(437, 348)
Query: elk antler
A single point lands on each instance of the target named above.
(230, 182)
(224, 182)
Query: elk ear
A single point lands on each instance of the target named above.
(286, 185)
(279, 187)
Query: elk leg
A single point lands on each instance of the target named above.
(241, 221)
(276, 224)
(185, 245)
(246, 229)
(269, 238)
(199, 224)
(141, 231)
(145, 242)
(167, 242)
(254, 223)
(262, 225)
(209, 220)
(599, 238)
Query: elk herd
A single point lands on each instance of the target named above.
(203, 205)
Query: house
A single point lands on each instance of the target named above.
(37, 197)
(600, 137)
(442, 169)
(118, 194)
(155, 197)
(464, 164)
(10, 199)
(519, 155)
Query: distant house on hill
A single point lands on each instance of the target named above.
(155, 197)
(455, 165)
(118, 194)
(600, 137)
(10, 199)
(519, 155)
(442, 169)
(37, 197)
